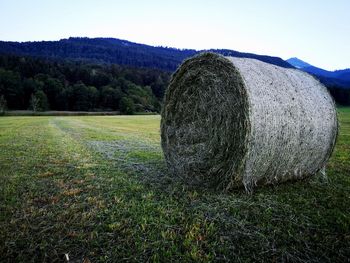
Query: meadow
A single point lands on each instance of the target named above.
(96, 189)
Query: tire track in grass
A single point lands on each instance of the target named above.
(129, 152)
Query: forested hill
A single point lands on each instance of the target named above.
(83, 74)
(116, 51)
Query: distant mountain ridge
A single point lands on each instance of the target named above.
(118, 51)
(298, 63)
(339, 78)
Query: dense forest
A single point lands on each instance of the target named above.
(341, 95)
(43, 84)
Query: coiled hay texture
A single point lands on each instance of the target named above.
(236, 121)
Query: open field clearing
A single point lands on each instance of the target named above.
(96, 188)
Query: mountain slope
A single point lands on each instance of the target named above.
(100, 50)
(117, 51)
(340, 78)
(298, 63)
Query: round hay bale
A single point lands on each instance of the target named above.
(236, 121)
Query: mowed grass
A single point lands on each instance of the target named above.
(97, 189)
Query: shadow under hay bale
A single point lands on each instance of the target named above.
(231, 121)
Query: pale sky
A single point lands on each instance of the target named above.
(317, 31)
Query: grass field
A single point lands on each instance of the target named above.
(58, 113)
(96, 188)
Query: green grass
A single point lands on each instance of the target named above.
(96, 187)
(59, 113)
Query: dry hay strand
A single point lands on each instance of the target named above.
(231, 121)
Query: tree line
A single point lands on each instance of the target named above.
(44, 84)
(39, 84)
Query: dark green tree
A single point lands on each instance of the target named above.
(127, 106)
(52, 88)
(3, 105)
(30, 86)
(84, 98)
(38, 101)
(80, 96)
(110, 97)
(92, 96)
(11, 87)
